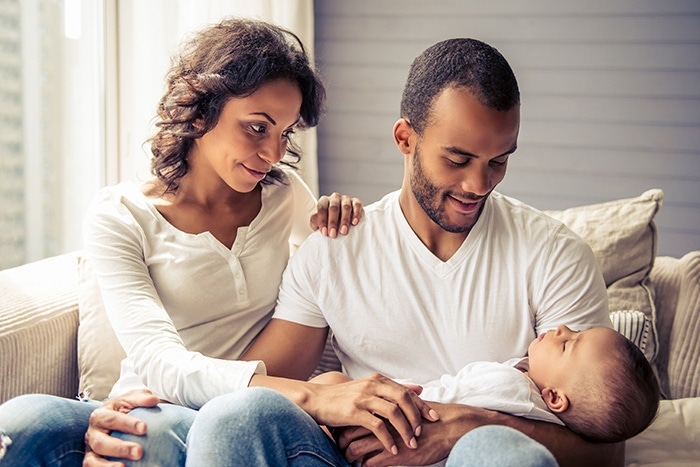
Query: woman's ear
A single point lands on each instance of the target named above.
(404, 136)
(199, 124)
(557, 401)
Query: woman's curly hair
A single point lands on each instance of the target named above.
(230, 59)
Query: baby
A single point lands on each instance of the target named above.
(596, 382)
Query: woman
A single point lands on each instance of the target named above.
(189, 264)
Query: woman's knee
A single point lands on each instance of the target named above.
(167, 427)
(45, 429)
(35, 411)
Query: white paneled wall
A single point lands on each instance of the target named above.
(610, 97)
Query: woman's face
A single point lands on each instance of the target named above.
(250, 136)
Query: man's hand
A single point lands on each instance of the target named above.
(335, 214)
(112, 416)
(434, 443)
(437, 439)
(376, 403)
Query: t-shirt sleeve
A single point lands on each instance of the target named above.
(114, 244)
(298, 298)
(304, 208)
(572, 289)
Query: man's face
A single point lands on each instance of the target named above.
(460, 158)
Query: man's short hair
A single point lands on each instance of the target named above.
(456, 63)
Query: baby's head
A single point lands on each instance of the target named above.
(596, 381)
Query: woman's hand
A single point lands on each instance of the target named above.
(112, 416)
(335, 214)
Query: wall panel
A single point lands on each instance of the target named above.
(610, 95)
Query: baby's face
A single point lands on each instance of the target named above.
(558, 355)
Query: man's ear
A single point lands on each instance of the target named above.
(404, 136)
(557, 401)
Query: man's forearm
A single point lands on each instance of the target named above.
(569, 449)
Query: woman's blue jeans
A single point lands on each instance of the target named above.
(252, 427)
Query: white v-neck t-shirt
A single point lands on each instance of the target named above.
(396, 309)
(184, 306)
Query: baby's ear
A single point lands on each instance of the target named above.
(556, 401)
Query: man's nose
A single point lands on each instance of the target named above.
(477, 181)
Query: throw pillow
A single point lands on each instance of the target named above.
(99, 351)
(632, 324)
(622, 235)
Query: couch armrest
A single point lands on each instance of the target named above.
(665, 278)
(684, 342)
(38, 328)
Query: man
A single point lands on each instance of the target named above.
(436, 270)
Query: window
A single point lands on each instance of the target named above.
(52, 131)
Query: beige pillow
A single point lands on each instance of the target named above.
(99, 351)
(684, 352)
(672, 438)
(622, 235)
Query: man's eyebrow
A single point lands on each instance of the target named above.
(460, 152)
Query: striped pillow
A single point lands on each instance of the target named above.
(632, 324)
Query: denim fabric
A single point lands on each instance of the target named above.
(258, 427)
(45, 430)
(165, 441)
(252, 427)
(499, 446)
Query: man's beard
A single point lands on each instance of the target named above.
(432, 200)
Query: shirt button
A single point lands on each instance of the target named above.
(241, 291)
(238, 275)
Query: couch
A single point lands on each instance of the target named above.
(54, 336)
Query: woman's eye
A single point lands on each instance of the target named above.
(258, 128)
(287, 134)
(498, 163)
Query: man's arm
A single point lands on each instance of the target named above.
(438, 438)
(293, 351)
(289, 350)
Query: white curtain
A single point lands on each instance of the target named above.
(148, 34)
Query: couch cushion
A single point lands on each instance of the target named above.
(622, 235)
(672, 438)
(99, 351)
(684, 351)
(38, 319)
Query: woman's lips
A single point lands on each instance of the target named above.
(256, 173)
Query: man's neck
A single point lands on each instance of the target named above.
(440, 242)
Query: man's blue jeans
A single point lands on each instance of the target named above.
(252, 427)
